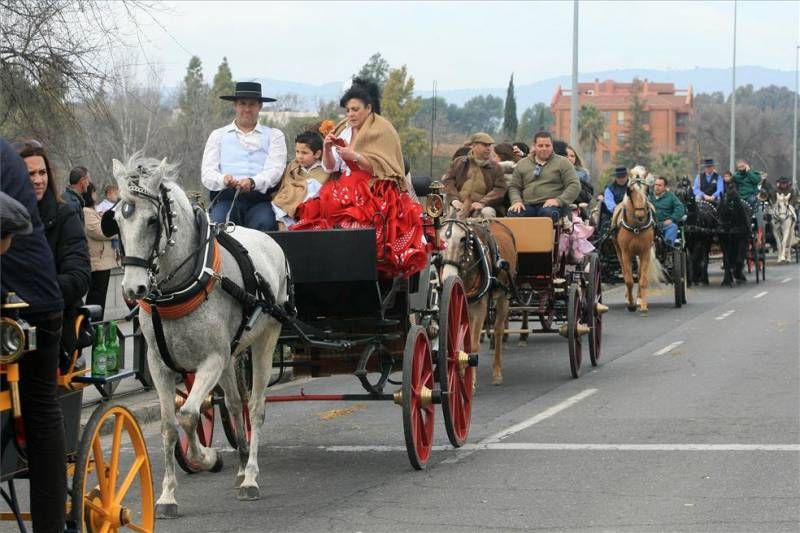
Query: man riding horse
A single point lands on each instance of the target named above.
(242, 161)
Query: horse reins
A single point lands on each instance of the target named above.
(637, 229)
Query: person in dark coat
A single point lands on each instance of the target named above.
(65, 235)
(29, 271)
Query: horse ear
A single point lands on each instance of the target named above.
(118, 169)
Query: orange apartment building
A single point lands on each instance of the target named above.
(668, 112)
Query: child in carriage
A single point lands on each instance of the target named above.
(302, 179)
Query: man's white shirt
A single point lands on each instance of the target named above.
(268, 177)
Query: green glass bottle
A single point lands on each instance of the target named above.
(112, 349)
(99, 352)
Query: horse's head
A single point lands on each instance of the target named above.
(637, 197)
(145, 218)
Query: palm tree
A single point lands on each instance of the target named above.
(591, 125)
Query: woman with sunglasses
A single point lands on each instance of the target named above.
(65, 235)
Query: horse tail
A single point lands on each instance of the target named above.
(655, 271)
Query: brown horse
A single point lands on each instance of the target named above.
(482, 252)
(634, 227)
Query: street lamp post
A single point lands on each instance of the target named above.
(733, 96)
(573, 112)
(794, 122)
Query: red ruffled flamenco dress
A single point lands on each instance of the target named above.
(350, 202)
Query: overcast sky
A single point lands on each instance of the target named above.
(465, 44)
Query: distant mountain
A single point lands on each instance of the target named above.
(703, 80)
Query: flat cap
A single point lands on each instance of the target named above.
(481, 137)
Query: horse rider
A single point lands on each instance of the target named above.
(708, 185)
(613, 194)
(475, 179)
(247, 157)
(669, 209)
(543, 183)
(747, 182)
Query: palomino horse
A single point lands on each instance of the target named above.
(482, 252)
(634, 228)
(784, 219)
(169, 248)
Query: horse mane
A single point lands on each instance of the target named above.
(138, 162)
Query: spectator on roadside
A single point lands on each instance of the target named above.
(79, 180)
(102, 256)
(65, 235)
(111, 197)
(41, 413)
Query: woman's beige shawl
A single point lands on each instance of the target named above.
(377, 140)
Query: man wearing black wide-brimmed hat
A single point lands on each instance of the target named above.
(247, 156)
(708, 185)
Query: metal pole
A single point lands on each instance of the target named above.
(573, 113)
(794, 123)
(731, 162)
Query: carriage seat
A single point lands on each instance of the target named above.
(531, 234)
(421, 185)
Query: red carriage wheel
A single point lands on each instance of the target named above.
(455, 373)
(594, 298)
(574, 314)
(205, 425)
(416, 397)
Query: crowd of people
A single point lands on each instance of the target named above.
(346, 175)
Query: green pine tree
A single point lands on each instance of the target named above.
(222, 110)
(510, 122)
(399, 106)
(635, 149)
(376, 69)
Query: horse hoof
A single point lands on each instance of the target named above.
(249, 493)
(631, 308)
(497, 380)
(167, 510)
(239, 480)
(218, 465)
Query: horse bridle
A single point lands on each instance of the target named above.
(638, 228)
(472, 248)
(165, 225)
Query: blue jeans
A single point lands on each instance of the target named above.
(538, 210)
(670, 232)
(252, 210)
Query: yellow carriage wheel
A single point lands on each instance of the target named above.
(113, 490)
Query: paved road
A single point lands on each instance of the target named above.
(689, 424)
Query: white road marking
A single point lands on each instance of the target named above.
(559, 446)
(668, 348)
(544, 415)
(726, 314)
(497, 437)
(787, 280)
(759, 295)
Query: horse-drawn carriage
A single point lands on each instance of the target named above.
(109, 490)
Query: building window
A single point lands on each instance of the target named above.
(620, 138)
(681, 138)
(606, 157)
(620, 117)
(681, 120)
(646, 118)
(606, 135)
(606, 117)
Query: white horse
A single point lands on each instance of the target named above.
(161, 238)
(784, 219)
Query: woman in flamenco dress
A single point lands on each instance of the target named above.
(368, 187)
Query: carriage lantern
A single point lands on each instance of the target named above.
(434, 201)
(16, 335)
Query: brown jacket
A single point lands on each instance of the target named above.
(101, 254)
(458, 174)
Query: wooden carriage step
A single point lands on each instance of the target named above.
(532, 234)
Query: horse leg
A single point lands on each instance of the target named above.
(233, 401)
(523, 337)
(205, 379)
(644, 265)
(627, 276)
(499, 329)
(263, 348)
(477, 317)
(164, 382)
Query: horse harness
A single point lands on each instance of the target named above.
(255, 297)
(474, 256)
(637, 228)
